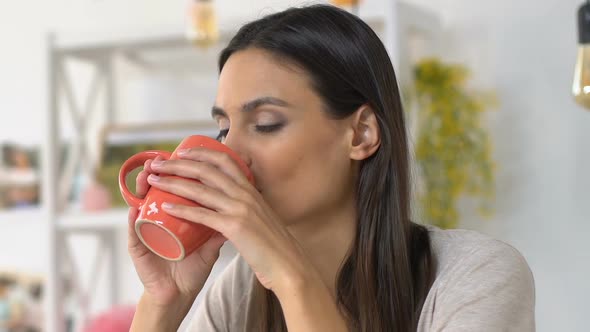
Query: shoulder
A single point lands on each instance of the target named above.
(464, 250)
(481, 283)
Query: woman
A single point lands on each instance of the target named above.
(308, 98)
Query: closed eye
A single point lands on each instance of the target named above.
(269, 128)
(222, 134)
(266, 129)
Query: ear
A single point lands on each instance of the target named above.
(366, 134)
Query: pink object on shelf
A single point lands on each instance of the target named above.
(95, 197)
(116, 319)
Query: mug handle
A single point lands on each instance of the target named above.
(135, 161)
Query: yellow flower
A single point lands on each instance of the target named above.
(453, 148)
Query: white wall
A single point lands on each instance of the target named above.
(526, 51)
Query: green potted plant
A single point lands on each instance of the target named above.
(453, 149)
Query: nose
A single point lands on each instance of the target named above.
(232, 142)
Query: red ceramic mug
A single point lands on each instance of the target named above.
(167, 236)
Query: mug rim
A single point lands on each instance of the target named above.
(140, 222)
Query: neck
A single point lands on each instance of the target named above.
(327, 239)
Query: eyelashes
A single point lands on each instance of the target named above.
(222, 134)
(267, 129)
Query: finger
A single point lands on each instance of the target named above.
(194, 191)
(220, 237)
(147, 166)
(199, 215)
(207, 173)
(221, 160)
(210, 250)
(133, 243)
(141, 184)
(132, 215)
(135, 247)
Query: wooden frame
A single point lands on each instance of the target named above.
(20, 178)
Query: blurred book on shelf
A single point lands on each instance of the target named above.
(20, 178)
(21, 301)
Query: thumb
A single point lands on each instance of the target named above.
(210, 250)
(134, 246)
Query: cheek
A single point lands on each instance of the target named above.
(296, 159)
(275, 167)
(301, 178)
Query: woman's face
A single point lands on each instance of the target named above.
(268, 112)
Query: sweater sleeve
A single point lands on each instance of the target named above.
(490, 289)
(224, 305)
(212, 313)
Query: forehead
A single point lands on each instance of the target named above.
(254, 73)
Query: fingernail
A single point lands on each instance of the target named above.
(153, 178)
(182, 152)
(167, 206)
(157, 163)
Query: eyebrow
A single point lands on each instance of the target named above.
(251, 105)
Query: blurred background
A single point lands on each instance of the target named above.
(86, 83)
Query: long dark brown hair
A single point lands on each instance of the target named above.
(388, 272)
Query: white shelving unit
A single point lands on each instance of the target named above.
(63, 222)
(26, 216)
(93, 222)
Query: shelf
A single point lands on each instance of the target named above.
(81, 221)
(418, 18)
(375, 21)
(103, 43)
(21, 216)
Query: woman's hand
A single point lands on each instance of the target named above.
(169, 283)
(233, 207)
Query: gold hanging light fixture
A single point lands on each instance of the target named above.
(581, 85)
(352, 4)
(201, 26)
